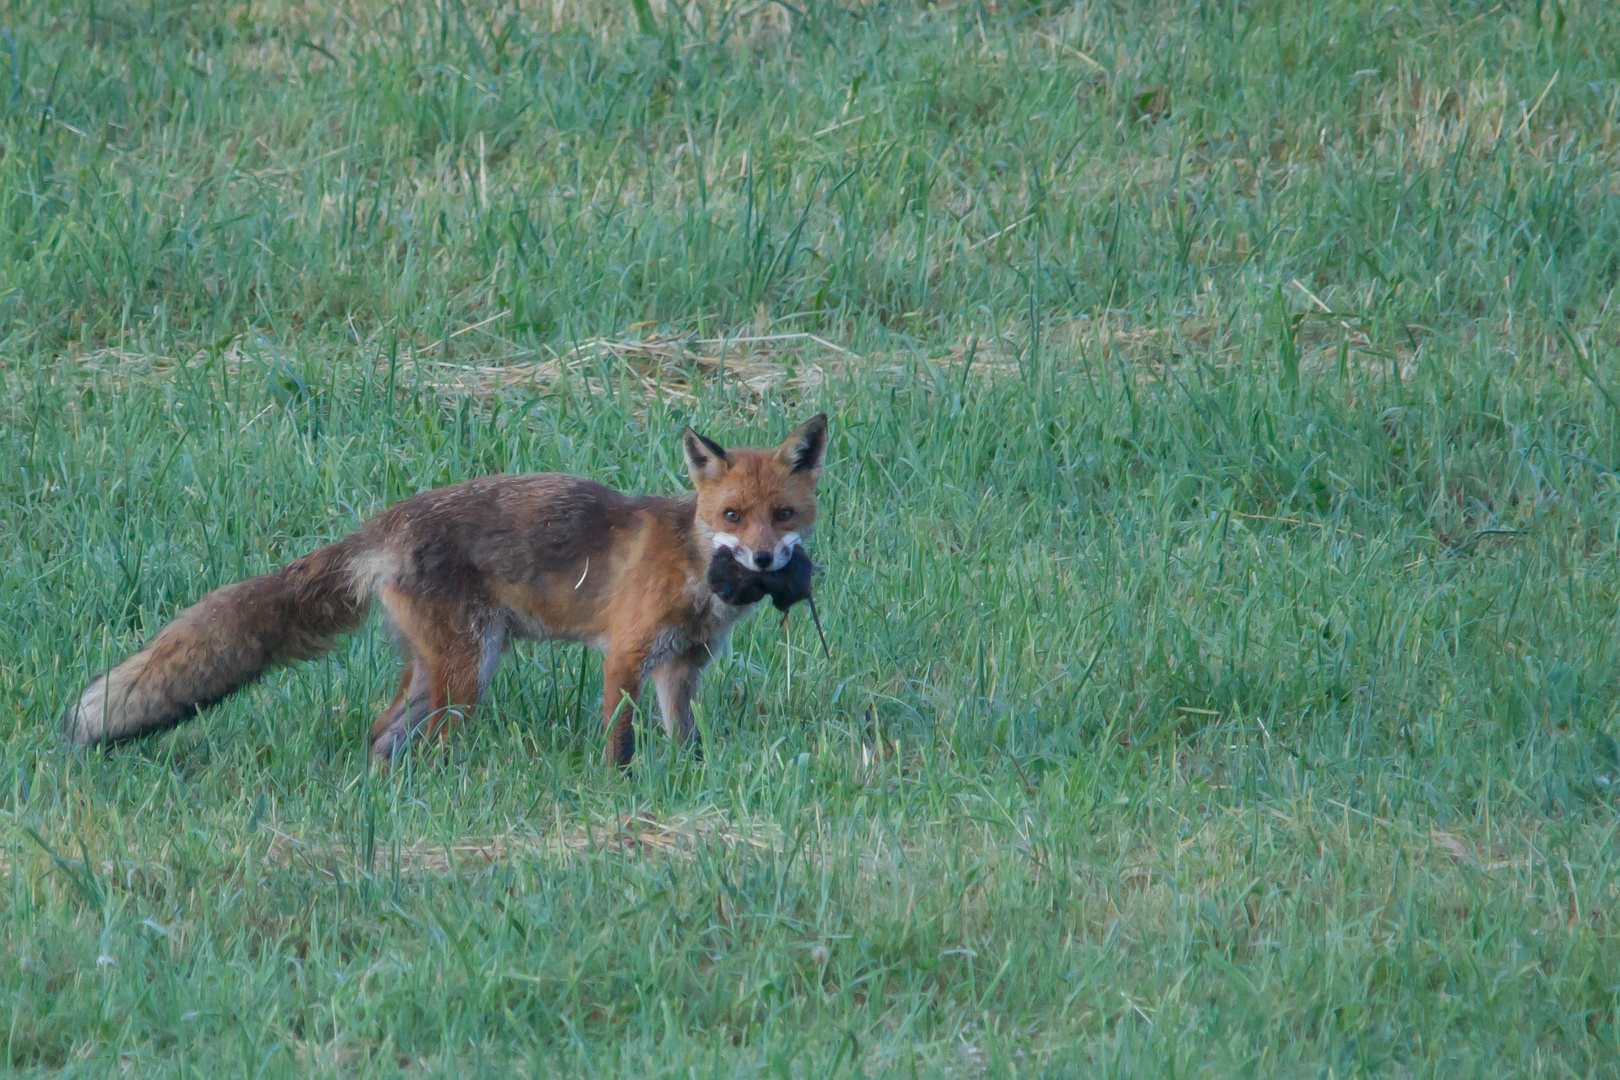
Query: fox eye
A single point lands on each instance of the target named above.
(732, 515)
(784, 514)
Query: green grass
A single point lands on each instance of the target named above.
(1221, 533)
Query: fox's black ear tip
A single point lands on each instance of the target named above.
(805, 448)
(700, 446)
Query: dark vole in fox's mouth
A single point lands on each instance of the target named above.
(736, 584)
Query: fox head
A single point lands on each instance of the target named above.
(759, 504)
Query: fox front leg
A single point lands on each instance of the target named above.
(622, 676)
(677, 682)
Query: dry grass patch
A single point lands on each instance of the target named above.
(675, 369)
(637, 835)
(668, 368)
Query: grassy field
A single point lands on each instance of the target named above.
(1221, 533)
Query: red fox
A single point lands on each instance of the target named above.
(460, 571)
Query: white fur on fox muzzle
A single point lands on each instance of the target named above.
(781, 554)
(774, 559)
(739, 550)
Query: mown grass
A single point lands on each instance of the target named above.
(1221, 533)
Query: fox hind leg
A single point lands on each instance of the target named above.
(439, 694)
(405, 714)
(385, 719)
(453, 690)
(466, 666)
(448, 666)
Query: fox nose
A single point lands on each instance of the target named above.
(764, 559)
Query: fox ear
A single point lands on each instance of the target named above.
(806, 449)
(706, 459)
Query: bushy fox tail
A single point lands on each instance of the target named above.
(222, 643)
